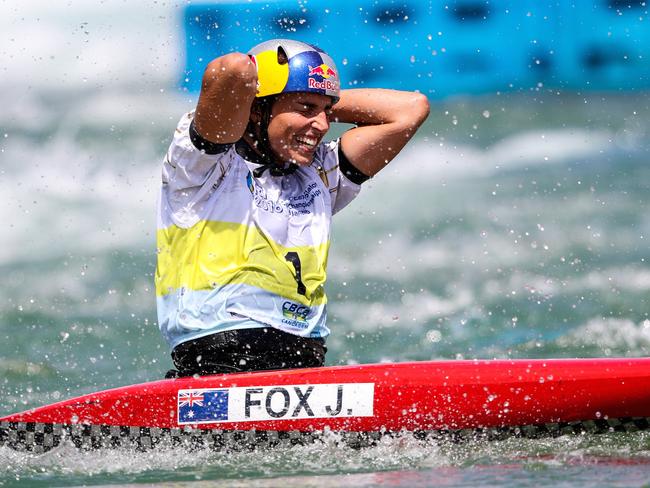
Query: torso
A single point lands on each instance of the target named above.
(240, 250)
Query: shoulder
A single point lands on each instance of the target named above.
(187, 164)
(189, 148)
(199, 142)
(326, 155)
(330, 157)
(330, 163)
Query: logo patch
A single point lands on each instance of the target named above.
(275, 402)
(322, 70)
(202, 406)
(295, 311)
(322, 85)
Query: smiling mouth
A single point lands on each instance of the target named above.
(306, 142)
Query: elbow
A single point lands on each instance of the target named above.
(239, 65)
(420, 108)
(236, 68)
(412, 112)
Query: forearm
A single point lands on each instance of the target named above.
(385, 119)
(377, 106)
(227, 92)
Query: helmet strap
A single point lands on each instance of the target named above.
(266, 106)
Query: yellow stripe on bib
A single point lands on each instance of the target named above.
(212, 254)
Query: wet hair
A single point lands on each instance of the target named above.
(259, 131)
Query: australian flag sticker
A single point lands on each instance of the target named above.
(202, 406)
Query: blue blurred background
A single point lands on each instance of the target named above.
(442, 48)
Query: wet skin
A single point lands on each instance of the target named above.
(299, 121)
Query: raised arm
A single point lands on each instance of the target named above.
(227, 93)
(385, 119)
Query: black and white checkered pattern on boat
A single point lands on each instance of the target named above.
(42, 437)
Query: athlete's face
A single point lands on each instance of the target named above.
(298, 123)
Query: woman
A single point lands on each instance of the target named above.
(248, 192)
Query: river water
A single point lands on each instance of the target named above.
(513, 226)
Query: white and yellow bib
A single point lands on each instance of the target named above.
(235, 250)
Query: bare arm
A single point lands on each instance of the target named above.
(227, 92)
(386, 120)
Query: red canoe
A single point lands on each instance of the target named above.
(496, 397)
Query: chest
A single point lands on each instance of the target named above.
(292, 210)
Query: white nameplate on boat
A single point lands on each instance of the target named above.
(279, 402)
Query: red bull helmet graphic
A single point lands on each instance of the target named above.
(286, 66)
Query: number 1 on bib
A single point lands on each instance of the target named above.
(294, 259)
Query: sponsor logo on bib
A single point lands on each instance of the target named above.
(295, 314)
(301, 203)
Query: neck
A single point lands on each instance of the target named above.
(264, 155)
(248, 148)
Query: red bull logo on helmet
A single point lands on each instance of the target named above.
(325, 72)
(322, 70)
(323, 85)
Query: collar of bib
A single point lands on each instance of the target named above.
(265, 162)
